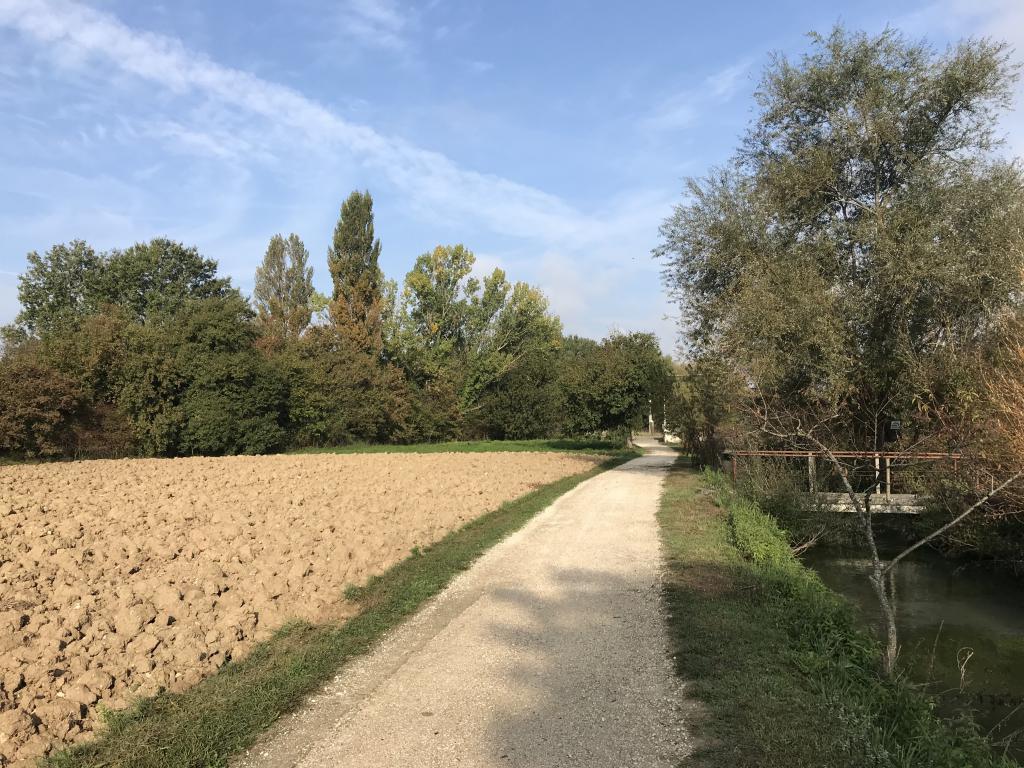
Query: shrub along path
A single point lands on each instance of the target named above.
(551, 651)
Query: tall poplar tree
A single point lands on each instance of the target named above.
(357, 306)
(283, 291)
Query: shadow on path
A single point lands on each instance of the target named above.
(589, 683)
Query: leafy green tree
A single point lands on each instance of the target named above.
(581, 373)
(613, 386)
(72, 281)
(436, 304)
(93, 353)
(507, 326)
(465, 335)
(864, 237)
(158, 277)
(639, 379)
(59, 287)
(435, 410)
(701, 406)
(524, 404)
(341, 392)
(427, 340)
(357, 303)
(283, 292)
(194, 383)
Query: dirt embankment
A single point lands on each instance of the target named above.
(121, 578)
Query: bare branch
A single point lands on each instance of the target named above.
(939, 531)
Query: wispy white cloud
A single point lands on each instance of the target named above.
(675, 113)
(726, 83)
(376, 23)
(684, 108)
(504, 205)
(212, 143)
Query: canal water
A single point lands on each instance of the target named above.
(961, 628)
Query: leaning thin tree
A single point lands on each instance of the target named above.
(1003, 406)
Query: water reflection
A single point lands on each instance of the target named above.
(961, 630)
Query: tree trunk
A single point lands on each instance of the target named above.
(886, 602)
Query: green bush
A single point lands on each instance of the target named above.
(525, 404)
(39, 407)
(193, 383)
(341, 393)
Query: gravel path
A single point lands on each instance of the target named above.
(550, 651)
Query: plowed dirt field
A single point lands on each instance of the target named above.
(120, 578)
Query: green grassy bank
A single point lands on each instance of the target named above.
(225, 713)
(783, 675)
(601, 447)
(560, 445)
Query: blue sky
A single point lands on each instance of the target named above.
(550, 137)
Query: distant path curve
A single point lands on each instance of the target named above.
(550, 651)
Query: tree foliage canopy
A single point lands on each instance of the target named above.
(283, 291)
(71, 282)
(157, 277)
(353, 259)
(191, 383)
(59, 287)
(864, 237)
(469, 333)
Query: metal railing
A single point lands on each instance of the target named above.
(883, 462)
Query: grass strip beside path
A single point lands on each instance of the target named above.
(224, 714)
(570, 445)
(782, 674)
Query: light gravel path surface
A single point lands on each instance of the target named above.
(550, 651)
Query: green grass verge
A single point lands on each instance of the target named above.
(783, 674)
(559, 445)
(601, 447)
(225, 713)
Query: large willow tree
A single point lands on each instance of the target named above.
(866, 237)
(860, 254)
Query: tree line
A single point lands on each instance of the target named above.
(148, 351)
